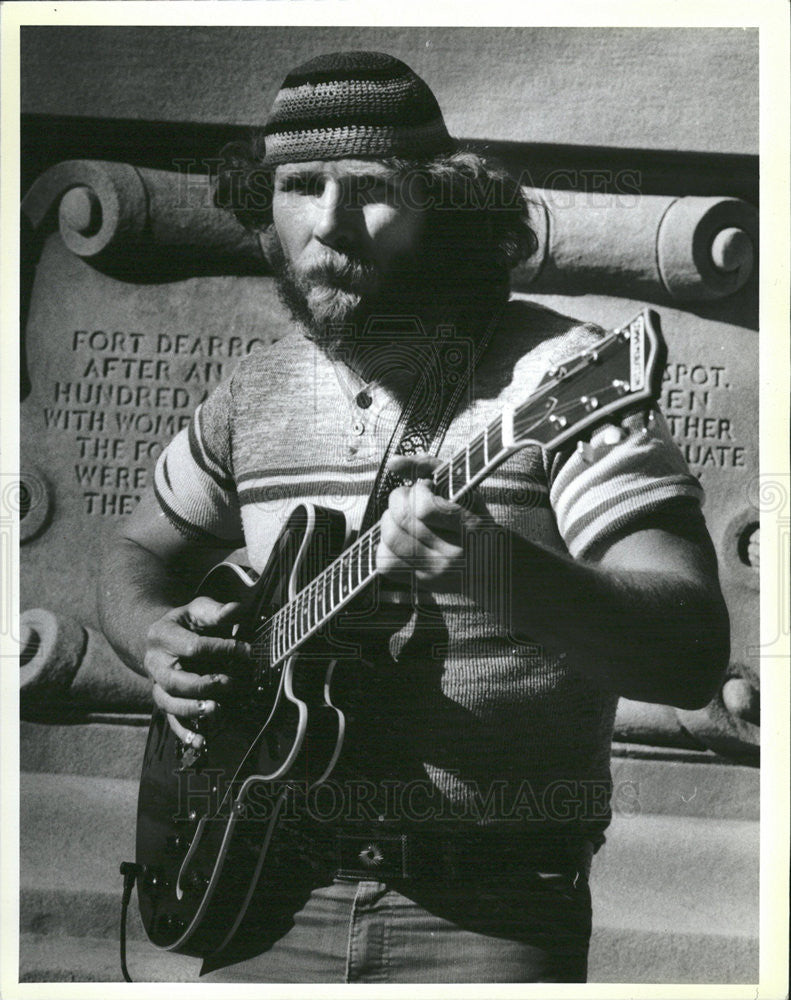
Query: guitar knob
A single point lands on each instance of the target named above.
(154, 882)
(196, 883)
(169, 923)
(175, 844)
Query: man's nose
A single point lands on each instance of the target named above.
(335, 218)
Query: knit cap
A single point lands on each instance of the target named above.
(354, 104)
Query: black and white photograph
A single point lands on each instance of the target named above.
(396, 434)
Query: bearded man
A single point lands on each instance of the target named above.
(507, 627)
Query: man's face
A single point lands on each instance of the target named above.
(347, 229)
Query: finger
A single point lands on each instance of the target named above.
(178, 640)
(184, 708)
(427, 571)
(473, 507)
(430, 505)
(183, 683)
(188, 736)
(212, 650)
(390, 564)
(414, 466)
(417, 546)
(406, 535)
(417, 504)
(204, 612)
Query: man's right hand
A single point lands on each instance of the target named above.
(192, 671)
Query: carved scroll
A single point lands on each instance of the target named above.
(650, 247)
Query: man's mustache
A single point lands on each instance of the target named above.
(344, 270)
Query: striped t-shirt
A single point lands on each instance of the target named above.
(485, 719)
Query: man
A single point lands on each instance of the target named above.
(482, 721)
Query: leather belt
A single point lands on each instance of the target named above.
(393, 856)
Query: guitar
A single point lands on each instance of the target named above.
(208, 820)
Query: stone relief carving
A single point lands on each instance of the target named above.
(139, 295)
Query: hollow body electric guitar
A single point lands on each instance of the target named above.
(209, 820)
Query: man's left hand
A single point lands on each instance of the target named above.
(424, 534)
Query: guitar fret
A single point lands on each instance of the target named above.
(447, 474)
(496, 444)
(311, 604)
(276, 639)
(477, 456)
(459, 468)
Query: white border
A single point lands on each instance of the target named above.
(771, 16)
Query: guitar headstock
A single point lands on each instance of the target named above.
(619, 372)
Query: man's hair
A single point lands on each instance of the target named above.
(479, 217)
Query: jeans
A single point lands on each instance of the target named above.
(532, 929)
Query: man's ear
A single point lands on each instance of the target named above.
(267, 241)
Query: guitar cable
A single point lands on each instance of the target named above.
(130, 871)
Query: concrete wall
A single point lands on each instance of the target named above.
(666, 89)
(676, 887)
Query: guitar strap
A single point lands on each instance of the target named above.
(424, 420)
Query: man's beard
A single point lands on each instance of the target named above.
(335, 297)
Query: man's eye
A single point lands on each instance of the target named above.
(302, 184)
(373, 189)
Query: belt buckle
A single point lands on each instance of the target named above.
(378, 857)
